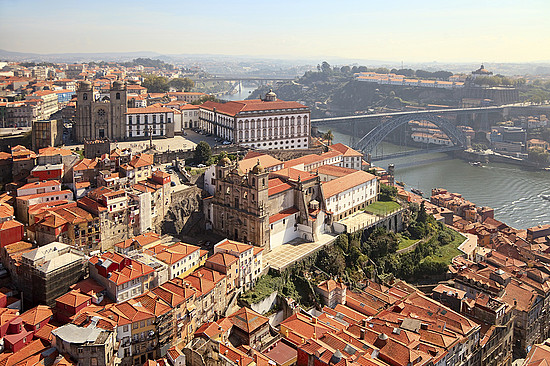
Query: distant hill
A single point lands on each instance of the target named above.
(74, 57)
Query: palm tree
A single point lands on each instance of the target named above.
(328, 136)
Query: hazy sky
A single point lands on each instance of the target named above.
(391, 30)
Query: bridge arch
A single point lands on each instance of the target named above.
(368, 143)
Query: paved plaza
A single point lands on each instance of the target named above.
(187, 142)
(291, 252)
(359, 220)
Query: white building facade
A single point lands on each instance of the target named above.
(141, 122)
(350, 193)
(259, 124)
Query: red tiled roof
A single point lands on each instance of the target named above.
(266, 161)
(36, 315)
(45, 183)
(141, 160)
(277, 185)
(74, 298)
(345, 150)
(235, 107)
(233, 246)
(247, 320)
(281, 215)
(51, 151)
(222, 259)
(335, 171)
(147, 110)
(344, 183)
(293, 174)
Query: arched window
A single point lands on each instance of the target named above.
(117, 96)
(85, 96)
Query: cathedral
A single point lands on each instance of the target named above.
(99, 117)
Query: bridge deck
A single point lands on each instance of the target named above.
(429, 111)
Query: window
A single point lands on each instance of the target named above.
(117, 97)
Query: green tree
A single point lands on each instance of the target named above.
(538, 155)
(184, 84)
(206, 98)
(156, 84)
(329, 136)
(325, 67)
(380, 243)
(342, 242)
(345, 69)
(387, 193)
(203, 152)
(331, 260)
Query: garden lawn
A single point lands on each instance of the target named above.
(405, 243)
(447, 252)
(382, 207)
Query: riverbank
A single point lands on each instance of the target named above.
(495, 157)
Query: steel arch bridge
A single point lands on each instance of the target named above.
(375, 136)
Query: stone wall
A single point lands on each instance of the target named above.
(266, 304)
(169, 156)
(185, 214)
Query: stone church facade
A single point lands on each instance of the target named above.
(101, 117)
(240, 206)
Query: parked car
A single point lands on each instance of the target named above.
(201, 166)
(227, 142)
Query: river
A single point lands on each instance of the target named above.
(513, 192)
(245, 92)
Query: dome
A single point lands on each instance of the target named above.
(224, 161)
(258, 168)
(85, 85)
(271, 96)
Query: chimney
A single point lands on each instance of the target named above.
(381, 341)
(363, 334)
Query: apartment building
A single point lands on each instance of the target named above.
(47, 272)
(111, 207)
(122, 277)
(249, 260)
